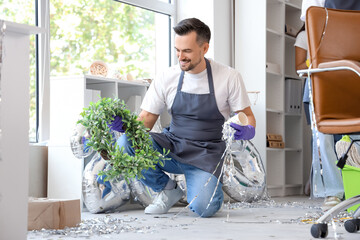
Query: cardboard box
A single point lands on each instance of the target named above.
(53, 213)
(273, 137)
(276, 144)
(273, 67)
(291, 31)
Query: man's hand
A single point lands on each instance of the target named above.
(243, 132)
(117, 124)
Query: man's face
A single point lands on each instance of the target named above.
(190, 54)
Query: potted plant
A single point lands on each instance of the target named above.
(97, 117)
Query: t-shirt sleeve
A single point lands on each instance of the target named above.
(238, 97)
(308, 3)
(154, 100)
(301, 41)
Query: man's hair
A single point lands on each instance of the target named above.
(188, 25)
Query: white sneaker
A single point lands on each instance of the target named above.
(330, 202)
(164, 201)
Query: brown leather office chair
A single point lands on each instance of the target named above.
(334, 48)
(334, 42)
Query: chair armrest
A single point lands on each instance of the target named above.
(333, 66)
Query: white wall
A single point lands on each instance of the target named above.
(217, 15)
(250, 29)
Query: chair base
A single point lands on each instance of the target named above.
(320, 228)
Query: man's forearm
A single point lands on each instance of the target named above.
(148, 118)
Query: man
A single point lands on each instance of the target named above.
(199, 94)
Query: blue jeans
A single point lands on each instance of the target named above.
(195, 181)
(326, 176)
(356, 144)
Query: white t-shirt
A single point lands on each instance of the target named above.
(301, 40)
(308, 3)
(230, 91)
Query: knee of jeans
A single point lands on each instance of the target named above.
(204, 209)
(123, 142)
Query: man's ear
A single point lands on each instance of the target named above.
(205, 47)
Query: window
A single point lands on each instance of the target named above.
(130, 36)
(129, 39)
(24, 11)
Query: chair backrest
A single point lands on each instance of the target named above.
(341, 35)
(334, 35)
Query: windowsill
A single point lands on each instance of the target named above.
(39, 144)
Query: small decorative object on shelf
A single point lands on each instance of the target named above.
(274, 141)
(129, 77)
(98, 118)
(290, 30)
(99, 68)
(147, 80)
(273, 68)
(117, 74)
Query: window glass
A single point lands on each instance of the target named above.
(19, 11)
(23, 11)
(129, 39)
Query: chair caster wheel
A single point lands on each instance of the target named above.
(352, 225)
(319, 230)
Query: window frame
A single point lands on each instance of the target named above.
(154, 5)
(43, 18)
(36, 73)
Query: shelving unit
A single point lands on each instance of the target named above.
(14, 127)
(69, 95)
(265, 56)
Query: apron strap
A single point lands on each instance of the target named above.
(209, 76)
(180, 81)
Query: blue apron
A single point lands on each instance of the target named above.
(341, 4)
(195, 132)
